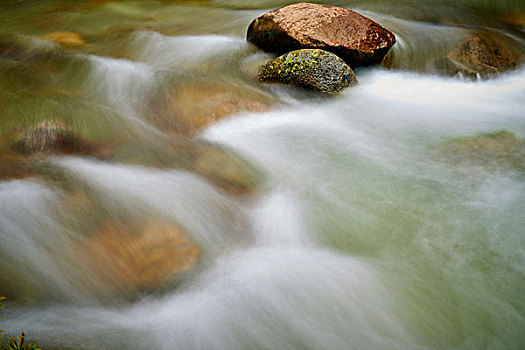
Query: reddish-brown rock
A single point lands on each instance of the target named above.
(351, 36)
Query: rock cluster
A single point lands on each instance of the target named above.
(351, 36)
(326, 43)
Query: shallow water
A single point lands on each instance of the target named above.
(323, 223)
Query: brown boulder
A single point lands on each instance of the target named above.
(145, 255)
(481, 55)
(351, 36)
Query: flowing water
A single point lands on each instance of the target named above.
(322, 222)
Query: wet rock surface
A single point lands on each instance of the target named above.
(351, 36)
(481, 55)
(312, 69)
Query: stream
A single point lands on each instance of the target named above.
(293, 220)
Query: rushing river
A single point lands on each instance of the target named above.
(321, 222)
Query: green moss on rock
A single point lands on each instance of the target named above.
(312, 69)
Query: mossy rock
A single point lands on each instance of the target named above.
(311, 69)
(495, 151)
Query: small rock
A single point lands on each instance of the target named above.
(49, 137)
(312, 69)
(66, 39)
(140, 257)
(493, 151)
(481, 55)
(351, 36)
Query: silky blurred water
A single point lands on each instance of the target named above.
(323, 222)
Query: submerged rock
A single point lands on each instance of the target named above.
(14, 167)
(218, 164)
(225, 169)
(351, 36)
(191, 108)
(49, 137)
(481, 55)
(493, 151)
(516, 19)
(66, 39)
(312, 69)
(140, 257)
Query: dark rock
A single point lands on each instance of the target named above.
(481, 55)
(49, 137)
(312, 69)
(351, 36)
